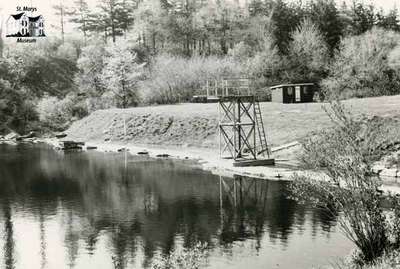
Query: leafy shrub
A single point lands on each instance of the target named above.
(258, 37)
(266, 66)
(17, 109)
(307, 59)
(175, 79)
(346, 154)
(105, 101)
(108, 75)
(90, 64)
(308, 55)
(57, 114)
(260, 56)
(18, 115)
(121, 75)
(361, 67)
(241, 52)
(388, 261)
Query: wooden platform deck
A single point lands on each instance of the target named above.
(259, 162)
(228, 98)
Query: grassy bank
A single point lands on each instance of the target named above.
(194, 125)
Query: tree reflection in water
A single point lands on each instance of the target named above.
(141, 206)
(9, 243)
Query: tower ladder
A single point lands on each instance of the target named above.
(261, 130)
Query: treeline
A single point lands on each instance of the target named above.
(213, 28)
(184, 43)
(157, 51)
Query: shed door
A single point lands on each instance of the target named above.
(297, 94)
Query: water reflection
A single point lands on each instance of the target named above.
(95, 210)
(9, 260)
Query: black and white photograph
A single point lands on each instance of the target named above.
(199, 134)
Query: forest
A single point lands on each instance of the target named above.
(146, 52)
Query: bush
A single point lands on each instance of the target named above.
(91, 64)
(57, 114)
(105, 101)
(361, 67)
(174, 79)
(260, 56)
(121, 75)
(308, 56)
(388, 261)
(266, 66)
(346, 154)
(241, 52)
(17, 108)
(109, 75)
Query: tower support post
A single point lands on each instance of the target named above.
(237, 127)
(242, 135)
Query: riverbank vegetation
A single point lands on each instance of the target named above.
(351, 191)
(157, 52)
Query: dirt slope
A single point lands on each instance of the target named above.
(196, 124)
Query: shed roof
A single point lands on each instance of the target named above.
(291, 85)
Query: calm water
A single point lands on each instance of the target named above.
(96, 210)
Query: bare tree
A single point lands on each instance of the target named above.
(62, 11)
(81, 16)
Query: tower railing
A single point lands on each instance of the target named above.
(228, 87)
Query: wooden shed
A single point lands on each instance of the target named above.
(293, 93)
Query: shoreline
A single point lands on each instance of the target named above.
(209, 160)
(189, 131)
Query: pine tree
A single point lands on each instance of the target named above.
(109, 16)
(125, 14)
(363, 17)
(390, 21)
(62, 11)
(285, 18)
(149, 17)
(326, 16)
(81, 16)
(96, 23)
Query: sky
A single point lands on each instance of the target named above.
(44, 7)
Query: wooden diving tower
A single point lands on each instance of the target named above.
(242, 135)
